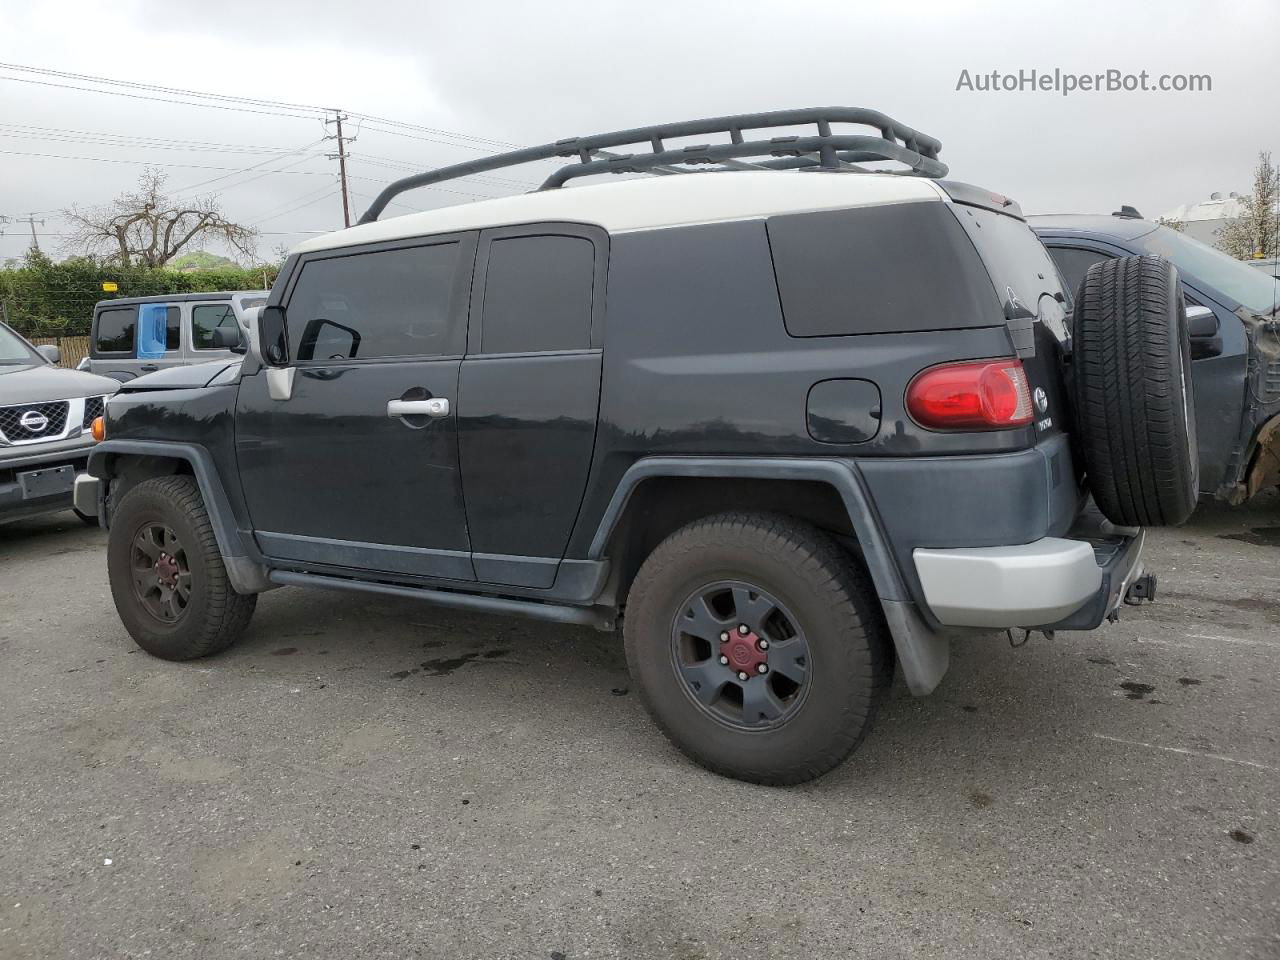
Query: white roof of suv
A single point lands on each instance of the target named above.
(651, 203)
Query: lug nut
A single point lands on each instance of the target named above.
(724, 659)
(762, 668)
(763, 644)
(724, 636)
(742, 675)
(743, 629)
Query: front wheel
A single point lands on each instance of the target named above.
(758, 647)
(167, 577)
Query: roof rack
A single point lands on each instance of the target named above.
(895, 142)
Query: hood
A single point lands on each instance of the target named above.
(38, 382)
(180, 378)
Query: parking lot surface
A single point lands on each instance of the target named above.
(372, 777)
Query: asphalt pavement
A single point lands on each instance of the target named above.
(368, 777)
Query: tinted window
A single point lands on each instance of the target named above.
(208, 317)
(392, 303)
(881, 269)
(173, 329)
(1074, 263)
(1015, 257)
(537, 295)
(115, 330)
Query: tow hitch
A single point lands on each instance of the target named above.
(1141, 590)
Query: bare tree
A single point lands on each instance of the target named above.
(1254, 232)
(147, 228)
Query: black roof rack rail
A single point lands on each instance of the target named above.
(895, 141)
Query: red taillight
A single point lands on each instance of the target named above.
(976, 395)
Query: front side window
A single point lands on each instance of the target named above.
(115, 330)
(537, 295)
(365, 306)
(208, 317)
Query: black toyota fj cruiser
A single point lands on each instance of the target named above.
(790, 422)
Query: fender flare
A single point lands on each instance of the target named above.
(244, 569)
(923, 653)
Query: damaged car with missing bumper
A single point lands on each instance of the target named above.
(791, 422)
(1234, 328)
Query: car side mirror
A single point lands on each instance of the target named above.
(1202, 329)
(272, 336)
(49, 352)
(227, 338)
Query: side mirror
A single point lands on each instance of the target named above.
(49, 352)
(272, 337)
(229, 338)
(1202, 328)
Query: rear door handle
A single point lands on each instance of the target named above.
(148, 368)
(435, 407)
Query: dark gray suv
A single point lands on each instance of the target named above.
(789, 423)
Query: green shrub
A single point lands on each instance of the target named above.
(46, 299)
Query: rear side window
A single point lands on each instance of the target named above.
(390, 303)
(208, 317)
(1074, 263)
(537, 295)
(1018, 262)
(882, 269)
(115, 330)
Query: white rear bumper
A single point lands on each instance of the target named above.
(1027, 585)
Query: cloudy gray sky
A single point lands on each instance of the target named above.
(520, 72)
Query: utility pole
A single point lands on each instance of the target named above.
(341, 157)
(30, 219)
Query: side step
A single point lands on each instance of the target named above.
(555, 612)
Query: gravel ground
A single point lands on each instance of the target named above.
(365, 777)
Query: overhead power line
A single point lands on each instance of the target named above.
(63, 135)
(245, 104)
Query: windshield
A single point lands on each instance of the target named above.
(1253, 289)
(13, 349)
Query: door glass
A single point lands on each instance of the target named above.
(537, 295)
(391, 303)
(1075, 263)
(208, 317)
(159, 330)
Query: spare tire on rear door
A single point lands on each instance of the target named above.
(1131, 381)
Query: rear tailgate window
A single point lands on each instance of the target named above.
(882, 269)
(1018, 262)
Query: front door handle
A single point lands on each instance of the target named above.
(435, 407)
(149, 368)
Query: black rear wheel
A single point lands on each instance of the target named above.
(758, 647)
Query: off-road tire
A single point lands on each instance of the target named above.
(851, 660)
(1131, 384)
(215, 615)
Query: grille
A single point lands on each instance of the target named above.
(14, 431)
(93, 407)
